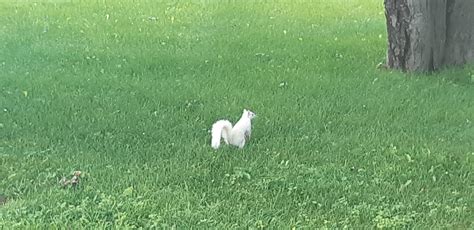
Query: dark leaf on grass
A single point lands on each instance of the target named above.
(3, 200)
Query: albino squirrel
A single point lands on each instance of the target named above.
(232, 135)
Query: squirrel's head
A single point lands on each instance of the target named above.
(249, 114)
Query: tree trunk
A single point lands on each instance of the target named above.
(425, 35)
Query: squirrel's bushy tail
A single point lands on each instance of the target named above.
(220, 128)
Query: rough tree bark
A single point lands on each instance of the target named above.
(425, 35)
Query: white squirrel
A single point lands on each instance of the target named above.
(232, 135)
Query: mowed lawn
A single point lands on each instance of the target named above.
(126, 92)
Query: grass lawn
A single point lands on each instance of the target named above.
(126, 91)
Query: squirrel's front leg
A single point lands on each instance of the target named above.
(241, 145)
(247, 134)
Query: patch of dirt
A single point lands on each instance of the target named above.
(73, 181)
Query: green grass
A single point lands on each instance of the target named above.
(126, 91)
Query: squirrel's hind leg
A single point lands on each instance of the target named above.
(224, 136)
